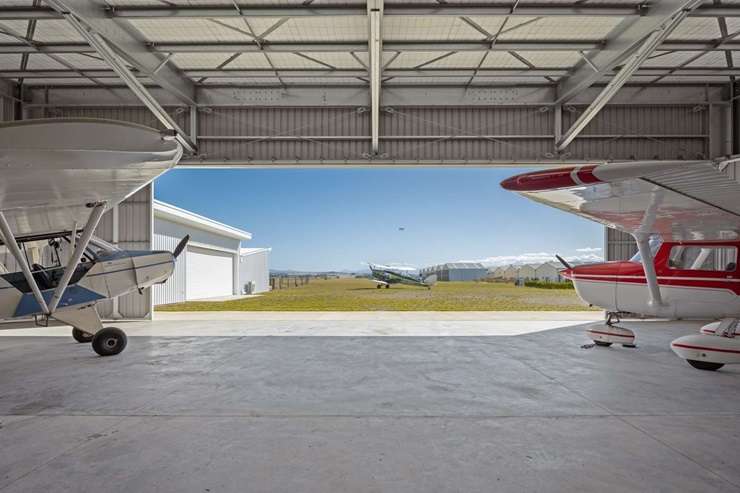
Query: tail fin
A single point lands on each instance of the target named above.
(430, 280)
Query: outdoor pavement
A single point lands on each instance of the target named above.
(224, 405)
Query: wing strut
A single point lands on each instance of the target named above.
(646, 256)
(80, 246)
(9, 240)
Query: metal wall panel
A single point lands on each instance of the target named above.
(618, 245)
(134, 233)
(642, 132)
(285, 135)
(255, 268)
(134, 114)
(173, 290)
(7, 105)
(167, 234)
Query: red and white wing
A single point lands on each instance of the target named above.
(50, 169)
(681, 200)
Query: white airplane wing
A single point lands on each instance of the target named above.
(678, 200)
(50, 169)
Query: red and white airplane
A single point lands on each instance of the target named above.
(685, 218)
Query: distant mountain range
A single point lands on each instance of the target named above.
(291, 272)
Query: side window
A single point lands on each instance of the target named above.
(707, 258)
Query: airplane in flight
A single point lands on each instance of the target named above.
(58, 177)
(685, 219)
(384, 276)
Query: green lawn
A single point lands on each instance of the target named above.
(362, 295)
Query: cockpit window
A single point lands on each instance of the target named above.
(98, 247)
(655, 243)
(708, 258)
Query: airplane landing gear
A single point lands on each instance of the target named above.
(87, 327)
(387, 286)
(379, 286)
(607, 334)
(109, 341)
(716, 345)
(81, 336)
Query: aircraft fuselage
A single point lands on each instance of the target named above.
(686, 292)
(110, 275)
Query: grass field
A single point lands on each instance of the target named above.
(361, 295)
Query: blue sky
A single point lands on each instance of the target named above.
(339, 219)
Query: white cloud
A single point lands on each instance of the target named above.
(588, 249)
(535, 258)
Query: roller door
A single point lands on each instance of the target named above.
(210, 273)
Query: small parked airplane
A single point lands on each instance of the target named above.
(385, 276)
(685, 218)
(56, 175)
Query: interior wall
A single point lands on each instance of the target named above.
(134, 233)
(239, 126)
(7, 103)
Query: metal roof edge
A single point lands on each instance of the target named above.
(252, 250)
(164, 210)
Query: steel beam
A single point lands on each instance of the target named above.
(344, 47)
(357, 73)
(454, 10)
(121, 70)
(629, 68)
(127, 43)
(451, 10)
(79, 250)
(621, 43)
(375, 69)
(12, 245)
(396, 10)
(376, 163)
(646, 255)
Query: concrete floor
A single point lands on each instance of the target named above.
(257, 413)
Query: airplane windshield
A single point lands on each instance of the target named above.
(99, 247)
(655, 243)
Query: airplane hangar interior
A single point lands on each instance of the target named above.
(623, 112)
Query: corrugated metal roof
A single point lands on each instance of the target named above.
(420, 39)
(460, 265)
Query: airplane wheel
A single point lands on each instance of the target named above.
(81, 336)
(705, 365)
(379, 286)
(109, 341)
(602, 343)
(387, 286)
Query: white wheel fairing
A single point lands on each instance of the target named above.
(610, 333)
(710, 348)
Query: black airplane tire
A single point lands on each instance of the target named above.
(602, 343)
(387, 286)
(81, 336)
(109, 341)
(379, 286)
(705, 365)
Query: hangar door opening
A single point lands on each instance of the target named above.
(210, 273)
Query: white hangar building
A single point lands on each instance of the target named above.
(254, 270)
(209, 266)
